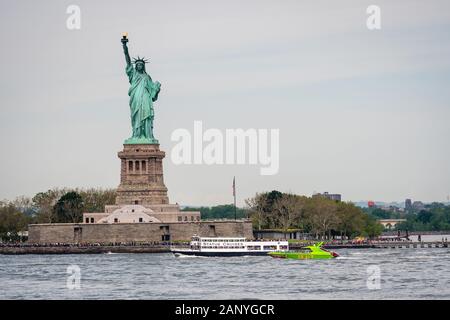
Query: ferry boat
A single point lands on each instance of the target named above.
(229, 247)
(309, 252)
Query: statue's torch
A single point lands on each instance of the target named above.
(124, 37)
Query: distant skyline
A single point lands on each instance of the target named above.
(361, 113)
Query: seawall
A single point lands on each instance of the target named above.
(82, 249)
(87, 233)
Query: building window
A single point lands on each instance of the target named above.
(136, 202)
(185, 218)
(116, 220)
(192, 218)
(87, 220)
(92, 220)
(140, 220)
(130, 166)
(144, 166)
(136, 165)
(180, 218)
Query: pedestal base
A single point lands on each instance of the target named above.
(141, 175)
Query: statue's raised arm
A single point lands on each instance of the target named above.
(125, 48)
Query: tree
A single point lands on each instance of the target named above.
(95, 200)
(372, 227)
(25, 205)
(351, 219)
(268, 202)
(256, 209)
(436, 217)
(69, 208)
(288, 209)
(381, 214)
(44, 203)
(12, 221)
(424, 216)
(225, 211)
(321, 215)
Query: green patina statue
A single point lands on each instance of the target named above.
(143, 92)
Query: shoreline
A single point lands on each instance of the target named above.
(164, 248)
(18, 250)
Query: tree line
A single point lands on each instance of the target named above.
(317, 215)
(225, 211)
(52, 206)
(434, 217)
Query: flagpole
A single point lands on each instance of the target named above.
(234, 194)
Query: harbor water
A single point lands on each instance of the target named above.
(356, 274)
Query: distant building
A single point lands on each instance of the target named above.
(408, 205)
(418, 205)
(331, 196)
(392, 207)
(415, 206)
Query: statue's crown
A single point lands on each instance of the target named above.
(139, 59)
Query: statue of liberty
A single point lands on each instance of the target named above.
(143, 92)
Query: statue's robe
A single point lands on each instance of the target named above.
(143, 91)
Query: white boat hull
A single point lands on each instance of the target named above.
(218, 253)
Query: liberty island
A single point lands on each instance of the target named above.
(142, 212)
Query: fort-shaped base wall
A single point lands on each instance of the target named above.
(136, 232)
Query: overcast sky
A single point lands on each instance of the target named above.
(362, 113)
